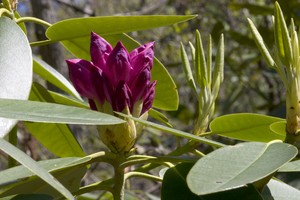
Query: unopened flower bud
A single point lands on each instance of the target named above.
(116, 80)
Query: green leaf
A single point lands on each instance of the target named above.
(290, 167)
(174, 187)
(166, 96)
(31, 166)
(282, 38)
(53, 113)
(218, 72)
(15, 66)
(261, 44)
(66, 100)
(246, 127)
(236, 166)
(159, 116)
(279, 128)
(174, 183)
(187, 69)
(52, 76)
(57, 138)
(276, 190)
(79, 27)
(200, 62)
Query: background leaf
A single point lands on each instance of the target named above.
(276, 190)
(246, 127)
(291, 167)
(15, 66)
(237, 166)
(174, 183)
(19, 180)
(57, 138)
(54, 77)
(174, 187)
(32, 166)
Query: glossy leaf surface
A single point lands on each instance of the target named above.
(15, 66)
(276, 190)
(291, 167)
(237, 166)
(64, 30)
(53, 113)
(246, 127)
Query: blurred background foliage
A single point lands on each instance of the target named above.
(249, 85)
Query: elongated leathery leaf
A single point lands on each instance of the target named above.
(237, 166)
(277, 190)
(291, 167)
(79, 27)
(15, 66)
(53, 113)
(282, 38)
(187, 69)
(31, 165)
(246, 127)
(69, 171)
(261, 45)
(200, 62)
(174, 187)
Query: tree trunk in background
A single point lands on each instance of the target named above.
(53, 53)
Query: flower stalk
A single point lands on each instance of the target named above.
(119, 178)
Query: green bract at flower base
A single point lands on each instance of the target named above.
(116, 80)
(207, 80)
(286, 61)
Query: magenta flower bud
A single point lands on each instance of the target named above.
(116, 80)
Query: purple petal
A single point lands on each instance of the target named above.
(149, 98)
(92, 104)
(102, 86)
(99, 49)
(122, 97)
(139, 86)
(142, 57)
(80, 75)
(118, 64)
